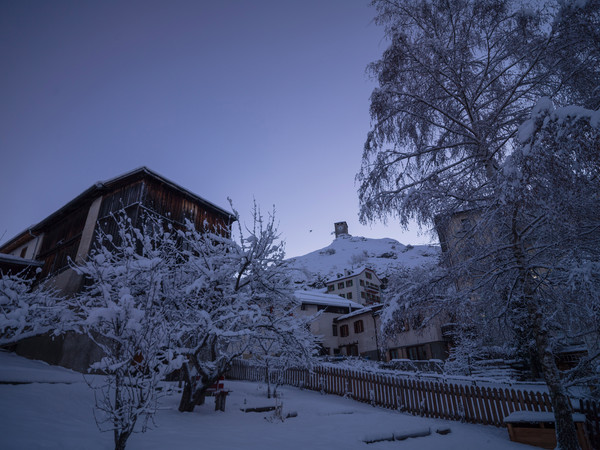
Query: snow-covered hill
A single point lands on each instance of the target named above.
(351, 252)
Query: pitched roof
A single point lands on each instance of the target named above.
(318, 298)
(354, 273)
(363, 310)
(101, 188)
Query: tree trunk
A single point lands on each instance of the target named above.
(121, 440)
(186, 404)
(566, 435)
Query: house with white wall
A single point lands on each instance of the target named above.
(360, 285)
(325, 308)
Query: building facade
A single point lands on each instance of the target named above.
(70, 233)
(362, 286)
(324, 309)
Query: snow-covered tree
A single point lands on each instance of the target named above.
(283, 341)
(456, 83)
(27, 309)
(122, 310)
(574, 52)
(237, 294)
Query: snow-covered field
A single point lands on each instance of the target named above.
(54, 411)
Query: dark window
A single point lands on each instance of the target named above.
(331, 287)
(418, 352)
(23, 252)
(344, 331)
(362, 295)
(341, 285)
(349, 295)
(394, 354)
(359, 326)
(362, 282)
(334, 330)
(369, 276)
(303, 307)
(348, 283)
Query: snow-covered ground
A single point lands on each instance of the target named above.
(350, 252)
(54, 411)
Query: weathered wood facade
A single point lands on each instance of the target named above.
(138, 193)
(70, 233)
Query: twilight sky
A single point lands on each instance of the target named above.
(264, 99)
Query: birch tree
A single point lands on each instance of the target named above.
(455, 85)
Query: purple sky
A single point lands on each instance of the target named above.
(241, 99)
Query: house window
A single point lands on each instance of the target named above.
(418, 352)
(362, 295)
(303, 307)
(349, 295)
(341, 285)
(362, 282)
(342, 295)
(369, 276)
(348, 283)
(394, 354)
(359, 326)
(331, 287)
(344, 331)
(334, 330)
(23, 252)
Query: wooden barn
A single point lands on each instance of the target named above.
(70, 233)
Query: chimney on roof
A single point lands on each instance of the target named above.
(340, 228)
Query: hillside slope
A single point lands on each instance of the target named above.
(351, 252)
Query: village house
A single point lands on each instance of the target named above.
(70, 233)
(360, 285)
(359, 333)
(325, 308)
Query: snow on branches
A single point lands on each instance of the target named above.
(122, 310)
(27, 310)
(241, 294)
(465, 137)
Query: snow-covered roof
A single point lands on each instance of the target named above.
(350, 274)
(318, 298)
(537, 416)
(100, 188)
(366, 309)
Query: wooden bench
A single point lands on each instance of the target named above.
(538, 429)
(217, 391)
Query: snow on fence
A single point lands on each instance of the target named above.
(483, 405)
